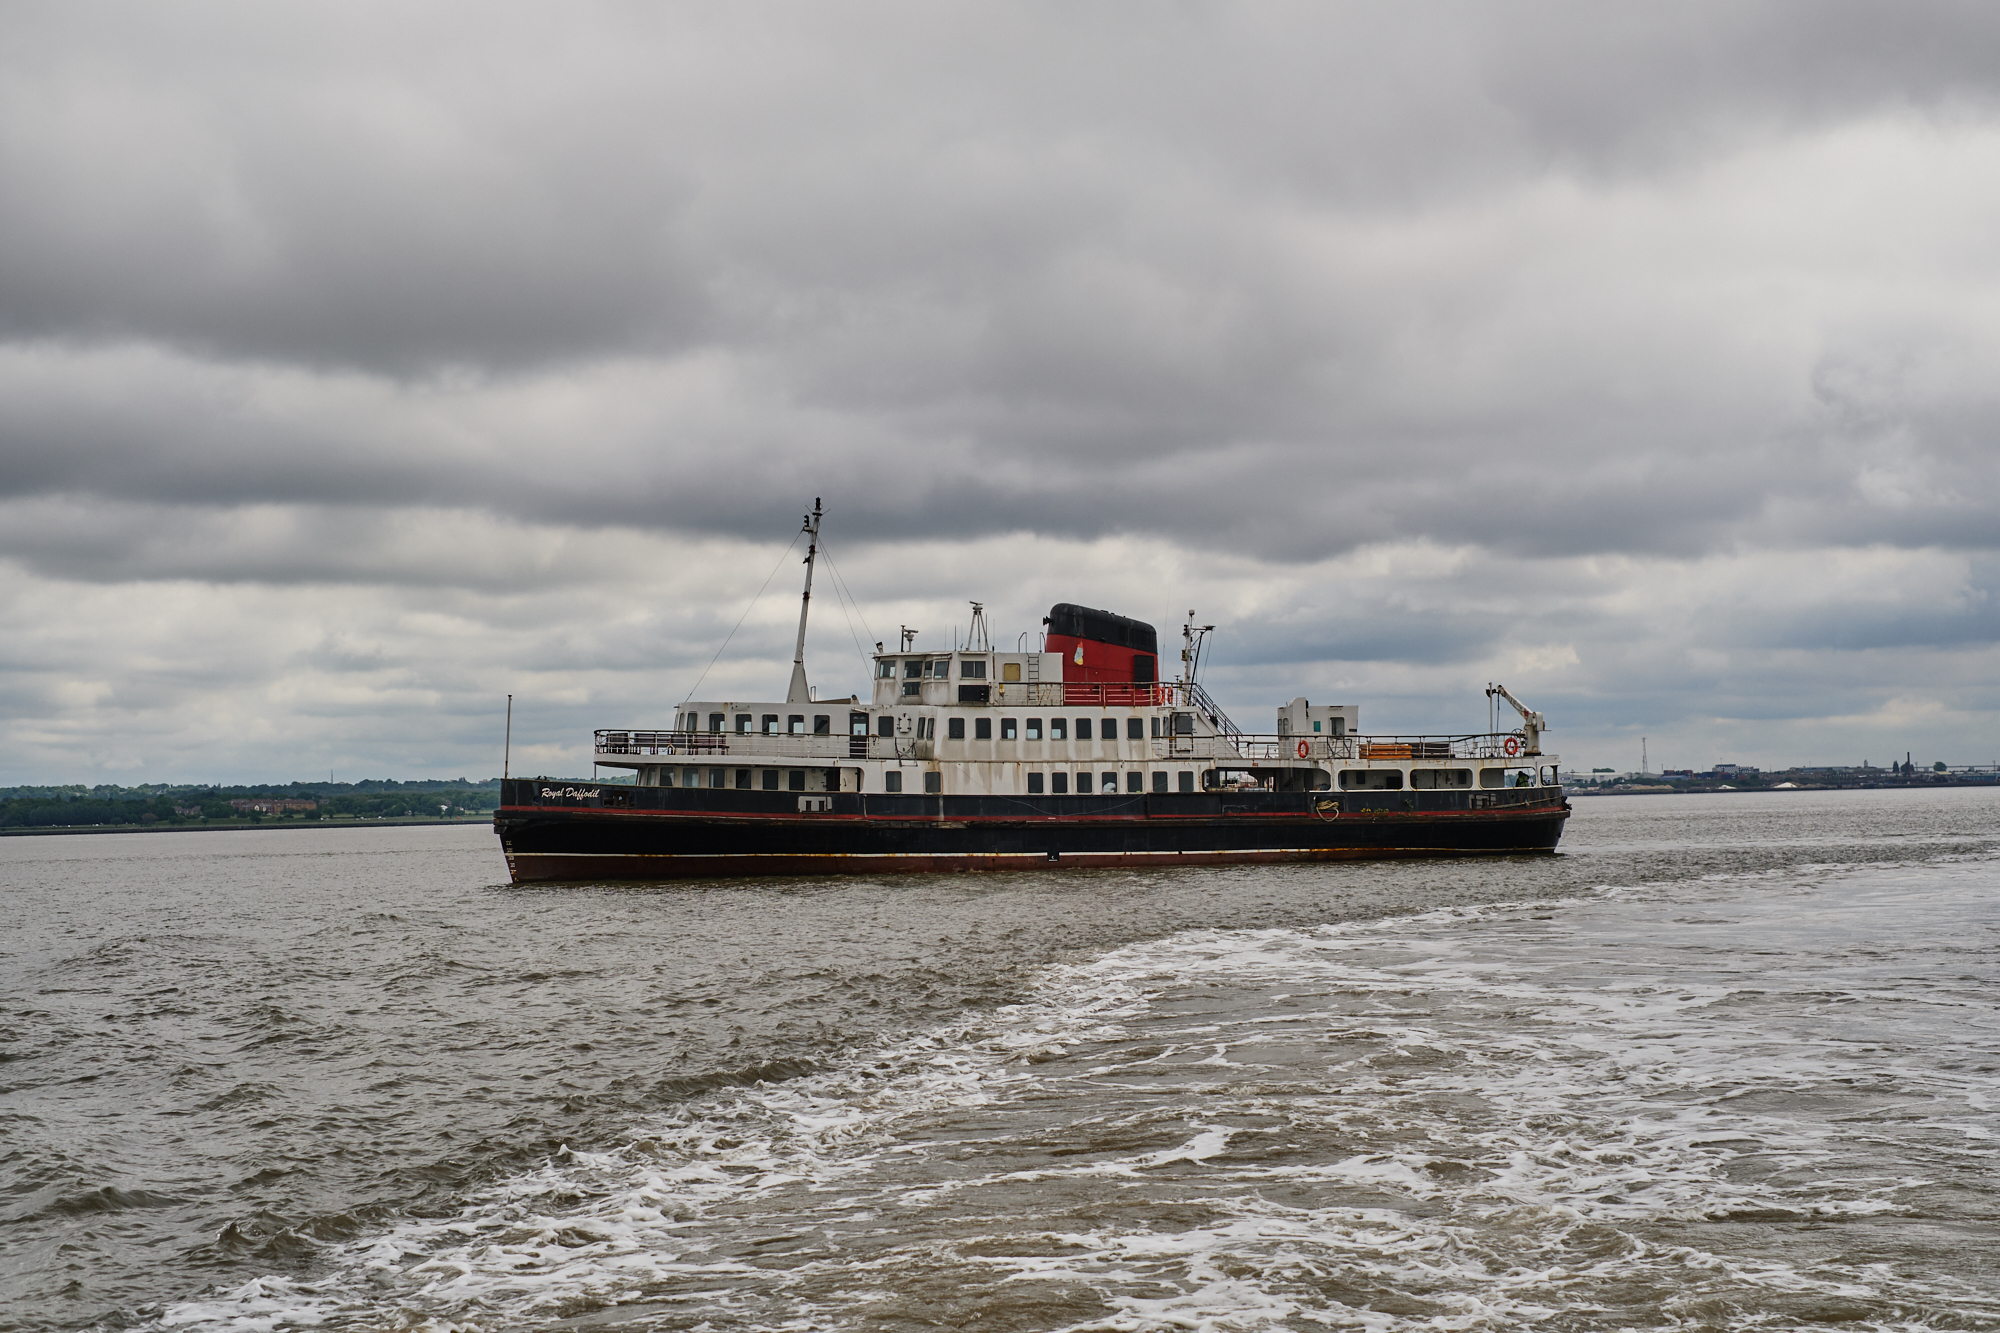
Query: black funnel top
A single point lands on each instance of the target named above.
(1081, 622)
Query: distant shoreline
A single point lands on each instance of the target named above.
(234, 828)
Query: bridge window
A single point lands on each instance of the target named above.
(1083, 728)
(913, 668)
(1059, 784)
(982, 728)
(938, 667)
(1034, 784)
(892, 781)
(822, 725)
(968, 669)
(912, 690)
(1135, 728)
(1058, 728)
(1007, 729)
(954, 729)
(1034, 728)
(1083, 784)
(885, 671)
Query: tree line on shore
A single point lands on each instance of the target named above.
(181, 805)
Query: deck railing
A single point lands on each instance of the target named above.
(1263, 749)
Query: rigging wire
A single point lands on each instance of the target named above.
(740, 619)
(840, 585)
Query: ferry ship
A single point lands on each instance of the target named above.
(1074, 755)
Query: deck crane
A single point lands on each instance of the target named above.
(1532, 722)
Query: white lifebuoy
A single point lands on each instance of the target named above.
(1513, 745)
(1304, 749)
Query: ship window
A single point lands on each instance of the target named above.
(1135, 728)
(912, 690)
(795, 778)
(770, 779)
(975, 694)
(1058, 728)
(982, 728)
(1430, 779)
(1315, 724)
(971, 670)
(1034, 784)
(954, 729)
(892, 782)
(770, 724)
(1371, 779)
(716, 778)
(940, 667)
(933, 783)
(1183, 724)
(1083, 784)
(913, 668)
(1135, 781)
(796, 724)
(885, 671)
(885, 725)
(1156, 728)
(1059, 784)
(1109, 785)
(857, 724)
(690, 777)
(1083, 728)
(1007, 729)
(1034, 728)
(715, 722)
(666, 778)
(743, 779)
(1187, 781)
(743, 721)
(822, 725)
(1160, 783)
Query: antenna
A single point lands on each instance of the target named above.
(799, 693)
(976, 640)
(507, 748)
(909, 637)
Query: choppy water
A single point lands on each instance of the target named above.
(1727, 1062)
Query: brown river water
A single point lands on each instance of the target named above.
(1725, 1062)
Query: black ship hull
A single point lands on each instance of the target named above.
(590, 831)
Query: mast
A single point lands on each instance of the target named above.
(798, 693)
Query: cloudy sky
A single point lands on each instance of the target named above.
(363, 363)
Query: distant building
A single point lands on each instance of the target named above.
(271, 806)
